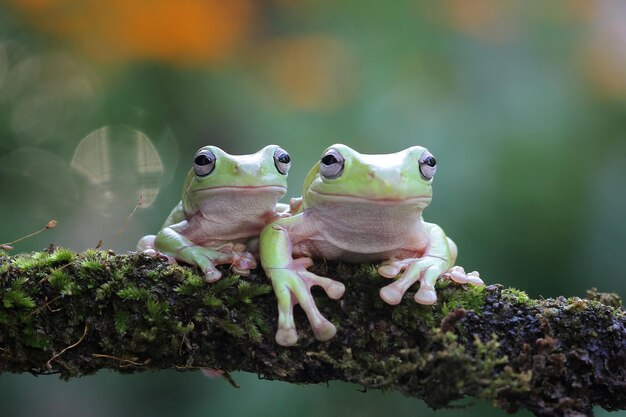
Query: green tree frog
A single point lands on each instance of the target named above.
(359, 208)
(226, 202)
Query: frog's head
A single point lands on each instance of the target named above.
(216, 172)
(345, 175)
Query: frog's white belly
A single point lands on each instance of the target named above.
(232, 220)
(360, 232)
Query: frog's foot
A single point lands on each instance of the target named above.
(146, 246)
(292, 286)
(426, 270)
(206, 259)
(242, 261)
(458, 274)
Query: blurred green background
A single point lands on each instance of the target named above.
(523, 103)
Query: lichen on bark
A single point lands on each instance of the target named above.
(73, 314)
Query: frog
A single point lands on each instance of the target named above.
(226, 202)
(359, 208)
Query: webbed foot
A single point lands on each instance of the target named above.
(292, 286)
(426, 270)
(206, 259)
(458, 274)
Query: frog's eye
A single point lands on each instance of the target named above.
(331, 164)
(204, 163)
(282, 160)
(428, 166)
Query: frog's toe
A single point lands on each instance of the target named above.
(286, 337)
(334, 289)
(458, 274)
(388, 270)
(212, 275)
(474, 278)
(426, 295)
(242, 272)
(324, 331)
(150, 252)
(391, 295)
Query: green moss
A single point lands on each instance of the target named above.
(27, 262)
(191, 283)
(156, 310)
(185, 329)
(131, 292)
(104, 291)
(246, 291)
(91, 265)
(468, 297)
(231, 328)
(62, 255)
(17, 299)
(62, 282)
(212, 301)
(35, 338)
(514, 295)
(121, 319)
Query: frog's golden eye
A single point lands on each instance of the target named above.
(282, 161)
(204, 162)
(428, 166)
(331, 164)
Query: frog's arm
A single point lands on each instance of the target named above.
(146, 243)
(292, 283)
(439, 257)
(177, 215)
(171, 241)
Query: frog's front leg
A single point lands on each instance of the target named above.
(172, 242)
(292, 285)
(439, 257)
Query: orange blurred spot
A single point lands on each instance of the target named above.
(483, 19)
(605, 69)
(311, 73)
(181, 32)
(582, 9)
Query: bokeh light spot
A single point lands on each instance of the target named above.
(120, 164)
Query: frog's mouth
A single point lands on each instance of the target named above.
(265, 188)
(350, 198)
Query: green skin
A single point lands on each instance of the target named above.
(221, 214)
(371, 212)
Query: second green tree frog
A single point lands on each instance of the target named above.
(227, 199)
(359, 208)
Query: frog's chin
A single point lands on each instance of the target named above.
(418, 200)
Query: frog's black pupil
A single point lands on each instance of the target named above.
(284, 158)
(430, 161)
(329, 160)
(202, 160)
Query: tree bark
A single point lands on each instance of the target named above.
(74, 314)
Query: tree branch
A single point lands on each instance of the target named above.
(74, 314)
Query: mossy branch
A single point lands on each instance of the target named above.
(73, 314)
